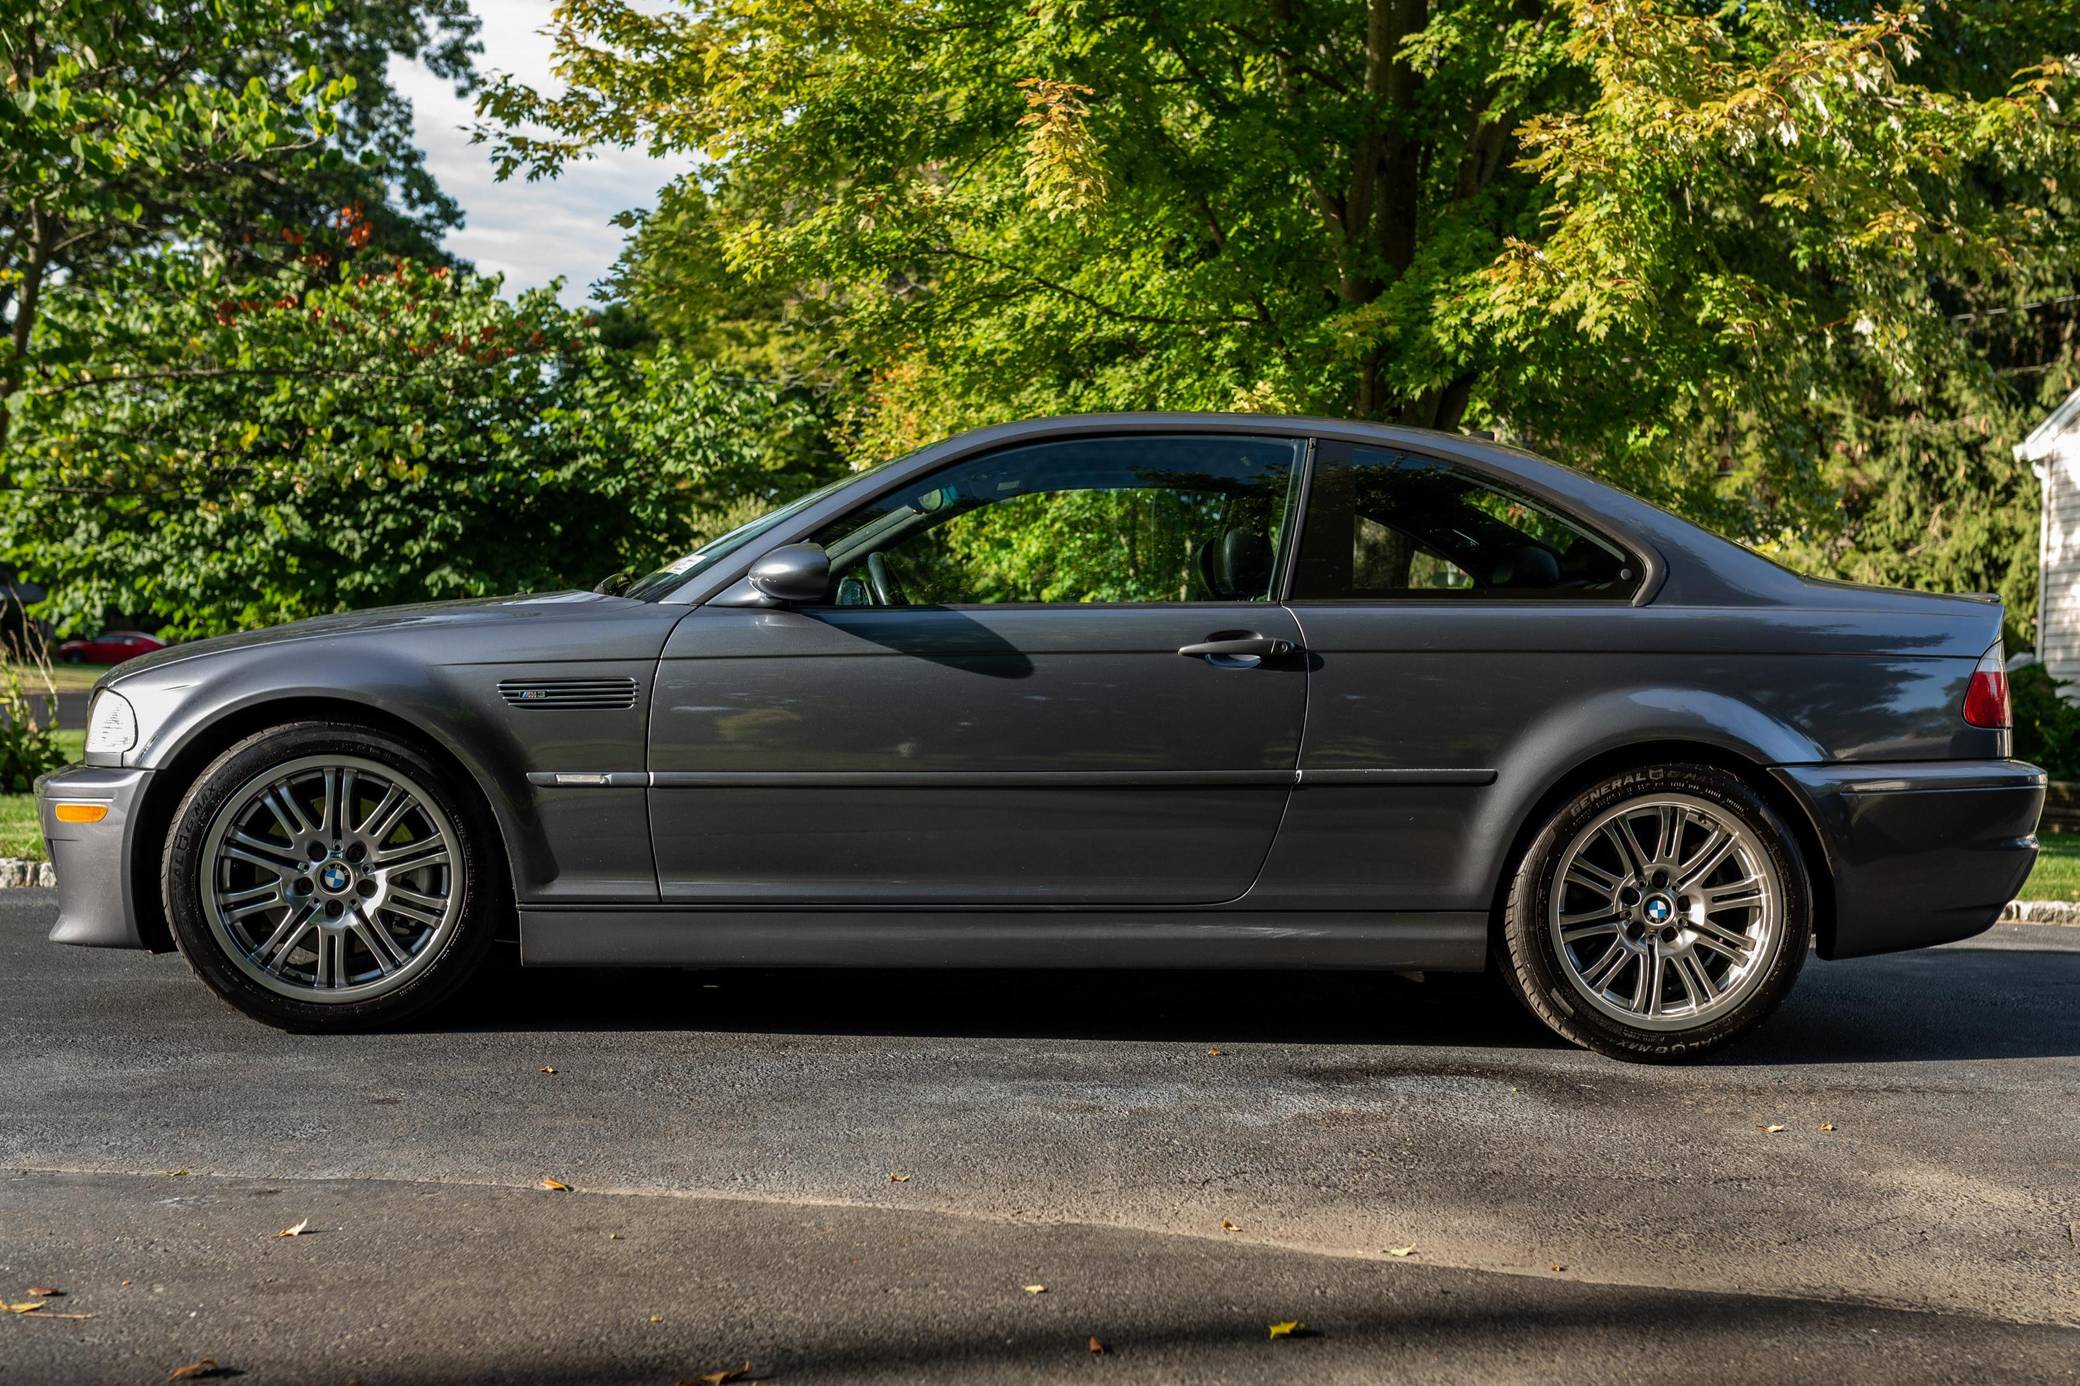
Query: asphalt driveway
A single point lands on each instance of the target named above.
(730, 1141)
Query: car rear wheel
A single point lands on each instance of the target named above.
(322, 876)
(1659, 914)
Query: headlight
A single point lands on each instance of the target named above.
(111, 723)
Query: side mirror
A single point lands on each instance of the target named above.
(793, 574)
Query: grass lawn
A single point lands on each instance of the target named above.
(20, 834)
(70, 678)
(2057, 876)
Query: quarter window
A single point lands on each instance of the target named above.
(1128, 519)
(1391, 525)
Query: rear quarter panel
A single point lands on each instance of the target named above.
(1533, 691)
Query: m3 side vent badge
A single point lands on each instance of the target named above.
(569, 694)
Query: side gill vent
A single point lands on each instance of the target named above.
(571, 695)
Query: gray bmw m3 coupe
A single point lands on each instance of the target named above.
(1163, 690)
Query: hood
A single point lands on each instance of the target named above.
(466, 611)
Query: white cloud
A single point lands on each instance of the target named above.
(529, 232)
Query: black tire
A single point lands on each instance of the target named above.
(475, 878)
(1530, 962)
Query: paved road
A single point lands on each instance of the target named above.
(737, 1131)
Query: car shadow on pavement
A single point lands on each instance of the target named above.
(1956, 1003)
(1208, 1007)
(1961, 1002)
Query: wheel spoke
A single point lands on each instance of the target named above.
(1744, 893)
(427, 851)
(285, 807)
(1646, 993)
(1574, 928)
(285, 939)
(1706, 859)
(328, 814)
(1589, 876)
(1608, 966)
(1727, 943)
(410, 904)
(1696, 981)
(381, 814)
(376, 939)
(1619, 835)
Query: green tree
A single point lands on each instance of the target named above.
(234, 453)
(214, 123)
(1740, 257)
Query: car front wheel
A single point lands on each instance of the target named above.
(1659, 914)
(323, 876)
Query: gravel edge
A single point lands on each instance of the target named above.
(24, 871)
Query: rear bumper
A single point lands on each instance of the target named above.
(1921, 852)
(95, 902)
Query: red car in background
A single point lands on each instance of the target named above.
(109, 647)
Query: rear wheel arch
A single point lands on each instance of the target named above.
(1578, 777)
(169, 784)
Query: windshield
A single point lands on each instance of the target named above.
(671, 573)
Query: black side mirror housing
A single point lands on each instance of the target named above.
(792, 575)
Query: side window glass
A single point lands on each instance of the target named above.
(1129, 519)
(1391, 525)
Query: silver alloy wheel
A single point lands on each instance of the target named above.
(1666, 912)
(331, 878)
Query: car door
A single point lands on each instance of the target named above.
(1444, 614)
(1000, 700)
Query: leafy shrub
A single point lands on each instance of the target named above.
(2047, 727)
(27, 746)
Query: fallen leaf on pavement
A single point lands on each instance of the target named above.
(657, 1318)
(206, 1366)
(1827, 1126)
(1214, 1052)
(46, 1291)
(548, 1070)
(719, 1378)
(1097, 1348)
(1035, 1289)
(556, 1184)
(1558, 1267)
(1769, 1130)
(1227, 1226)
(174, 1173)
(297, 1231)
(1402, 1251)
(898, 1178)
(1291, 1328)
(26, 1307)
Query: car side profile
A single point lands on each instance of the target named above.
(1162, 690)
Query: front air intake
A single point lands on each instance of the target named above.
(570, 695)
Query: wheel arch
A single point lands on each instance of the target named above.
(203, 744)
(1805, 832)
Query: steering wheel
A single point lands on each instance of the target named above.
(887, 591)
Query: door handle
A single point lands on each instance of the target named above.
(1239, 647)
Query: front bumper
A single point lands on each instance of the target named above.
(96, 903)
(1922, 852)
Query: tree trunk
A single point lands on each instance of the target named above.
(1380, 210)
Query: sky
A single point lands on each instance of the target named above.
(529, 232)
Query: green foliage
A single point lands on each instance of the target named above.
(233, 454)
(1801, 270)
(28, 740)
(2047, 726)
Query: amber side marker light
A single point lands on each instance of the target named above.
(80, 813)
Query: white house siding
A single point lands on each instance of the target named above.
(2054, 453)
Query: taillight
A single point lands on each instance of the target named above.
(1986, 698)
